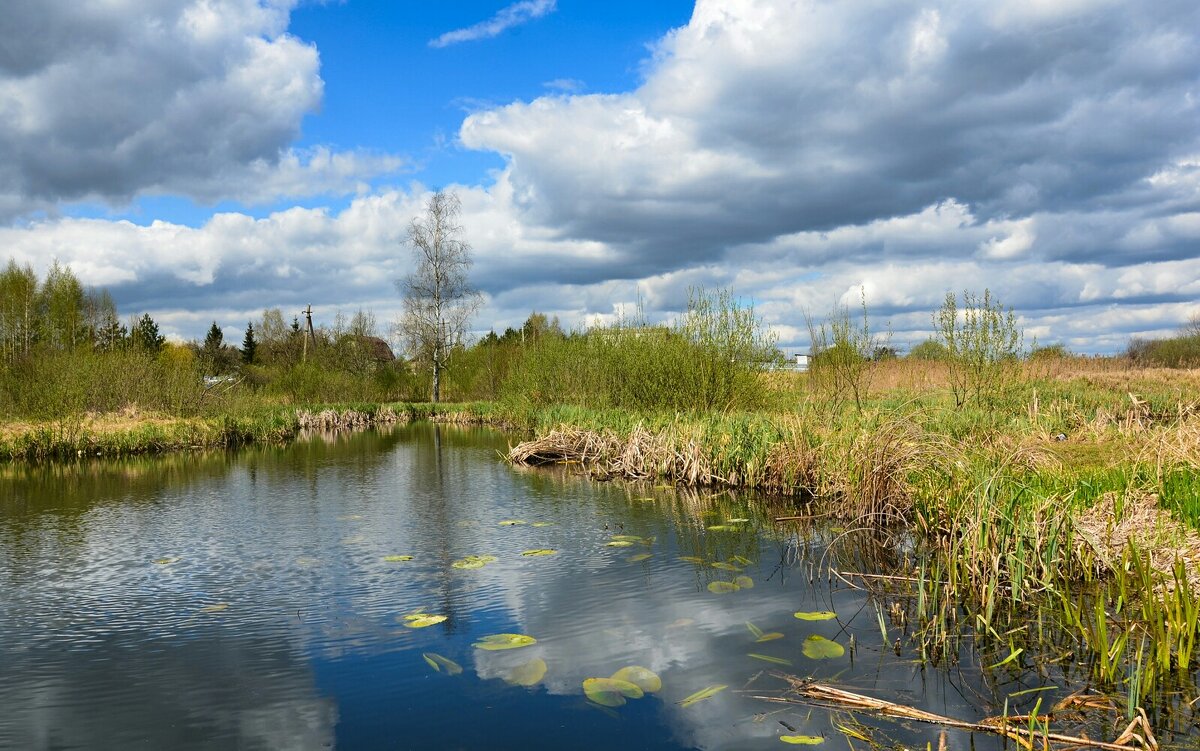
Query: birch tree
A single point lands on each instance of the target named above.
(438, 298)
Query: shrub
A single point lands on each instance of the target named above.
(842, 350)
(983, 345)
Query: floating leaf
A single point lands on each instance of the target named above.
(397, 558)
(645, 679)
(215, 608)
(772, 636)
(497, 642)
(540, 551)
(721, 528)
(691, 559)
(442, 664)
(758, 632)
(350, 518)
(527, 673)
(542, 524)
(740, 559)
(702, 694)
(769, 658)
(820, 648)
(628, 538)
(610, 692)
(167, 561)
(722, 588)
(725, 566)
(802, 740)
(744, 582)
(474, 561)
(422, 620)
(639, 557)
(511, 522)
(816, 615)
(619, 544)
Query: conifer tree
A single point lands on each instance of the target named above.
(249, 345)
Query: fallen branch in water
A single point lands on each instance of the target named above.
(805, 691)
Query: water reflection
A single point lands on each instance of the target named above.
(257, 600)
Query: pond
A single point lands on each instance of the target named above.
(266, 599)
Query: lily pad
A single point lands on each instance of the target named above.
(527, 673)
(422, 620)
(740, 560)
(540, 551)
(397, 558)
(721, 528)
(628, 538)
(619, 544)
(819, 648)
(639, 557)
(442, 664)
(645, 679)
(722, 588)
(497, 642)
(542, 524)
(769, 658)
(802, 740)
(167, 561)
(610, 692)
(474, 561)
(691, 559)
(705, 693)
(817, 615)
(725, 566)
(511, 522)
(220, 606)
(744, 582)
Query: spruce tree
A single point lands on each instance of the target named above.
(145, 335)
(249, 345)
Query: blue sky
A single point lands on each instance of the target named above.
(206, 159)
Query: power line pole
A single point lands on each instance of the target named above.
(308, 333)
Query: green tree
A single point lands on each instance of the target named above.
(145, 335)
(18, 310)
(61, 304)
(249, 345)
(983, 346)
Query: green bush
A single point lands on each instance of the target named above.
(983, 347)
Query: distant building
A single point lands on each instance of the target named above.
(801, 362)
(377, 349)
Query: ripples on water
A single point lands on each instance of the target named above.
(242, 601)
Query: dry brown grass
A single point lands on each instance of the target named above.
(99, 424)
(1150, 529)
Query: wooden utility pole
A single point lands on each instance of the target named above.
(308, 333)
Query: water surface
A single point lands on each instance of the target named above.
(242, 600)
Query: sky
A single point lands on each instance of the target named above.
(205, 159)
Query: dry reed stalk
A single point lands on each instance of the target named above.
(879, 490)
(807, 691)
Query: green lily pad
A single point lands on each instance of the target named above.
(740, 560)
(422, 620)
(540, 551)
(639, 557)
(167, 561)
(442, 664)
(527, 673)
(691, 559)
(722, 588)
(610, 692)
(817, 615)
(542, 524)
(474, 561)
(511, 522)
(397, 558)
(705, 693)
(497, 642)
(769, 658)
(645, 679)
(744, 582)
(819, 648)
(619, 544)
(802, 740)
(725, 566)
(628, 538)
